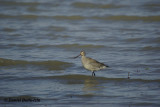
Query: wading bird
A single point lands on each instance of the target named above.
(91, 64)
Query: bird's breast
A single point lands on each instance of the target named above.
(86, 63)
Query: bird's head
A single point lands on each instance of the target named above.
(82, 53)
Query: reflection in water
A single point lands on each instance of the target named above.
(91, 85)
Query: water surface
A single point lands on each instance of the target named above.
(38, 39)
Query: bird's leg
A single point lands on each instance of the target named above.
(93, 74)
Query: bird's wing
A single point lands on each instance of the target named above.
(95, 63)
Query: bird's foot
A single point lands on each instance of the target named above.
(93, 74)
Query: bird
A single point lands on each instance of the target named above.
(91, 64)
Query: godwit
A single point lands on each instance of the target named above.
(91, 64)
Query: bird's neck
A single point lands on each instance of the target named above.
(82, 57)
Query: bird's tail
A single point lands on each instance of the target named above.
(106, 65)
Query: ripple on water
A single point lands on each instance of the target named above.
(50, 64)
(80, 47)
(87, 79)
(95, 5)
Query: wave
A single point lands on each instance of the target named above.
(63, 46)
(78, 17)
(29, 16)
(50, 64)
(9, 29)
(57, 28)
(150, 48)
(152, 6)
(134, 39)
(23, 45)
(115, 18)
(8, 3)
(31, 4)
(78, 46)
(94, 5)
(79, 79)
(74, 17)
(129, 18)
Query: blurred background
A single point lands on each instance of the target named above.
(39, 37)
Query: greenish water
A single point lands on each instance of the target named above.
(39, 38)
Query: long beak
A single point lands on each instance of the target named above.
(76, 56)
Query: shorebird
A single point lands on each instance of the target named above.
(91, 64)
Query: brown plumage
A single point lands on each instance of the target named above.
(91, 64)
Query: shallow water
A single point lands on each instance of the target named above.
(39, 38)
